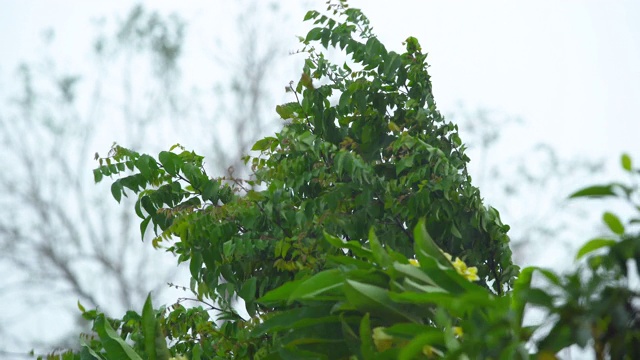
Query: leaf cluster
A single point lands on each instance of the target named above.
(365, 178)
(367, 149)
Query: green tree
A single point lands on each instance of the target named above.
(381, 156)
(359, 235)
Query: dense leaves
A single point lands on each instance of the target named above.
(382, 157)
(359, 234)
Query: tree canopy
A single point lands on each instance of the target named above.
(358, 235)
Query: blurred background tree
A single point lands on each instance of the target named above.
(530, 189)
(61, 239)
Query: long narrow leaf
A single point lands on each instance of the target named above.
(318, 284)
(149, 328)
(593, 245)
(375, 300)
(424, 243)
(115, 347)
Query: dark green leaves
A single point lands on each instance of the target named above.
(314, 34)
(266, 143)
(287, 111)
(170, 162)
(311, 14)
(210, 191)
(97, 175)
(116, 190)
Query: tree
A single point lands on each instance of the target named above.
(381, 156)
(357, 239)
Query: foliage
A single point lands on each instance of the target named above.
(359, 236)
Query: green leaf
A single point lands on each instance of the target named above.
(560, 337)
(170, 162)
(97, 175)
(288, 111)
(149, 328)
(116, 190)
(144, 165)
(195, 264)
(80, 307)
(455, 232)
(414, 348)
(196, 352)
(210, 191)
(367, 347)
(318, 284)
(379, 253)
(626, 162)
(143, 226)
(162, 351)
(295, 318)
(423, 298)
(613, 222)
(374, 299)
(522, 283)
(248, 290)
(265, 143)
(537, 297)
(414, 273)
(551, 276)
(314, 34)
(593, 245)
(280, 294)
(595, 191)
(445, 276)
(311, 14)
(423, 242)
(87, 353)
(394, 127)
(115, 347)
(354, 246)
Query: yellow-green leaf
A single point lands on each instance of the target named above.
(613, 222)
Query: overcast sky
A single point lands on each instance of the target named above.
(568, 68)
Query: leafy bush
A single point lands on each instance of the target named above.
(359, 235)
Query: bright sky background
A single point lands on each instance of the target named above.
(570, 69)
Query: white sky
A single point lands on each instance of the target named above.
(570, 69)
